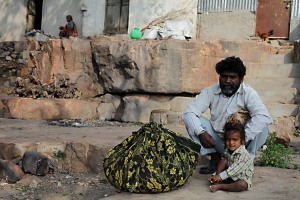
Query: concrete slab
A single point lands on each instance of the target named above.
(268, 183)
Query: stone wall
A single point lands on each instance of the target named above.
(72, 57)
(126, 80)
(297, 51)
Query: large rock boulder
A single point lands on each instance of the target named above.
(297, 51)
(26, 108)
(147, 66)
(67, 56)
(10, 172)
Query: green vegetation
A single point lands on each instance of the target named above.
(57, 153)
(25, 189)
(65, 193)
(297, 133)
(138, 123)
(276, 155)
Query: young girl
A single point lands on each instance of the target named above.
(234, 172)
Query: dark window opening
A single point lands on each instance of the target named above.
(116, 18)
(34, 14)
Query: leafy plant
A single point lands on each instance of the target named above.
(297, 167)
(138, 123)
(24, 189)
(275, 155)
(57, 153)
(65, 193)
(81, 193)
(297, 133)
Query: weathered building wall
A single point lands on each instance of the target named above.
(226, 25)
(89, 16)
(12, 20)
(93, 17)
(55, 12)
(143, 12)
(294, 30)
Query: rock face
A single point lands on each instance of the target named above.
(116, 78)
(24, 108)
(147, 66)
(297, 51)
(10, 172)
(71, 57)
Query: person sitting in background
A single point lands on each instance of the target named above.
(62, 31)
(70, 29)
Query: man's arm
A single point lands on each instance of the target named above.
(260, 117)
(191, 118)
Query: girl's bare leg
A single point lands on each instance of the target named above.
(231, 187)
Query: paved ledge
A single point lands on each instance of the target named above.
(268, 183)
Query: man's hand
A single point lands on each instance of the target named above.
(206, 140)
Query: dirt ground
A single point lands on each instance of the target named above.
(58, 186)
(61, 184)
(269, 183)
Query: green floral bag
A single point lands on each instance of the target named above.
(153, 159)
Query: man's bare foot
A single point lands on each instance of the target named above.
(214, 188)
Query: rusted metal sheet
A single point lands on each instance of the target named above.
(208, 6)
(273, 15)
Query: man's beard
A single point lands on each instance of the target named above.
(229, 89)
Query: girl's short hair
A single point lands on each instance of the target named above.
(236, 126)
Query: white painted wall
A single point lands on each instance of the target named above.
(55, 12)
(143, 12)
(12, 20)
(89, 15)
(294, 30)
(93, 17)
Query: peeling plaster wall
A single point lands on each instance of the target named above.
(55, 12)
(142, 12)
(12, 20)
(227, 25)
(294, 30)
(93, 17)
(89, 15)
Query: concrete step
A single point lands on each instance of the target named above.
(276, 84)
(276, 90)
(273, 96)
(291, 70)
(282, 110)
(277, 58)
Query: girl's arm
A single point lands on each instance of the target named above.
(221, 167)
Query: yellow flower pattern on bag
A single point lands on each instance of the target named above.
(153, 159)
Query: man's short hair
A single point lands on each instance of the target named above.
(231, 64)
